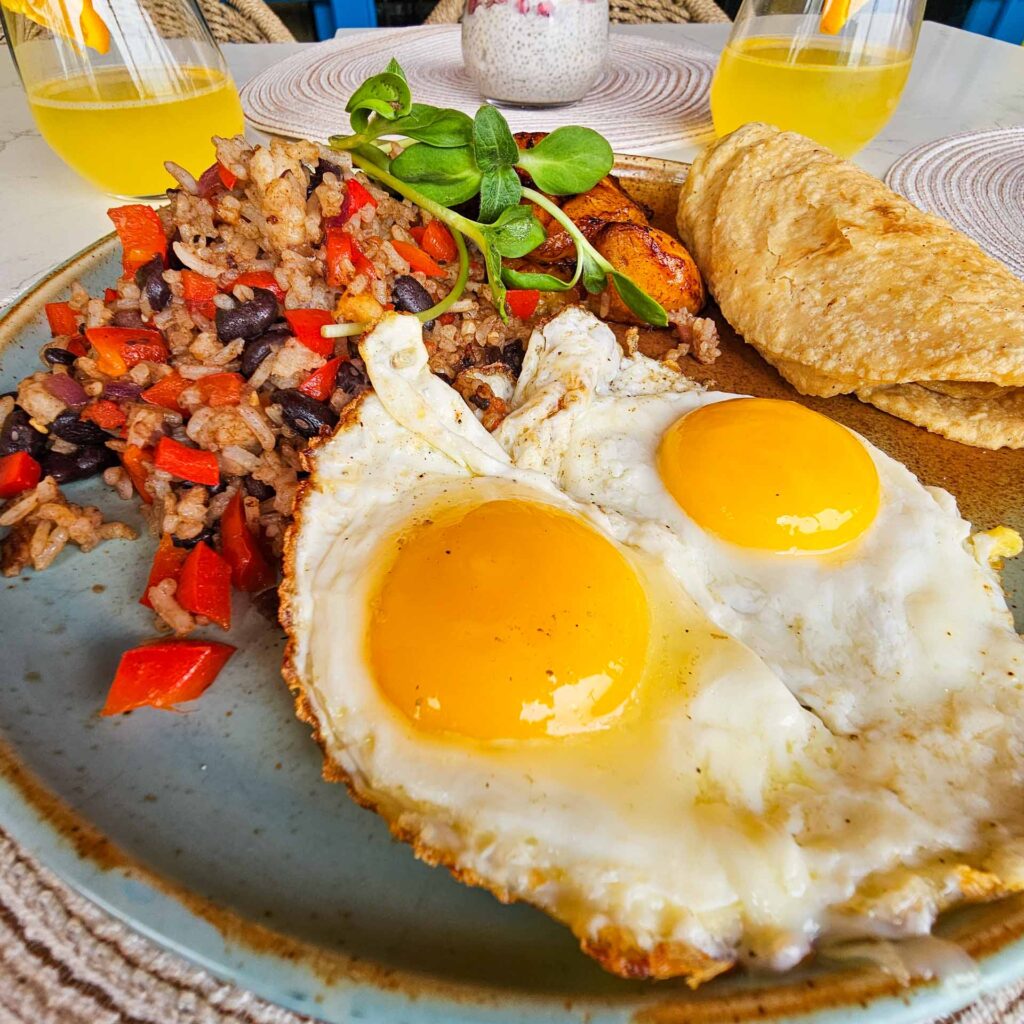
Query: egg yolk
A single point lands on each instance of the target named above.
(507, 620)
(770, 474)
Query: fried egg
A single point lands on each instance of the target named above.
(519, 651)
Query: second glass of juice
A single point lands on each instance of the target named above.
(117, 87)
(834, 72)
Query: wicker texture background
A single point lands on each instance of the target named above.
(628, 12)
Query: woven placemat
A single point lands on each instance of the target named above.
(975, 181)
(652, 93)
(63, 960)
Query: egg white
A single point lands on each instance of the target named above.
(764, 786)
(901, 643)
(670, 828)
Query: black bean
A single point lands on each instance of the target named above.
(58, 356)
(257, 349)
(303, 414)
(257, 488)
(268, 604)
(352, 378)
(157, 290)
(68, 427)
(317, 177)
(410, 296)
(207, 535)
(512, 356)
(248, 319)
(77, 465)
(18, 435)
(127, 318)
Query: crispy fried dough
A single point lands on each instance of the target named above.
(846, 287)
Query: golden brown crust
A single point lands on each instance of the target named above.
(657, 263)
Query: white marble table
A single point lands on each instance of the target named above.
(959, 82)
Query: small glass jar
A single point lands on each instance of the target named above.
(535, 53)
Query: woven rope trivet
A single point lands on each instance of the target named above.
(663, 87)
(976, 182)
(65, 961)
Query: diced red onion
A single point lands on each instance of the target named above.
(67, 389)
(182, 177)
(209, 180)
(121, 390)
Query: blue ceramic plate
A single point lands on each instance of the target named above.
(211, 832)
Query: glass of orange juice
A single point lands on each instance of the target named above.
(833, 70)
(117, 87)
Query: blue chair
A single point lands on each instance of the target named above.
(1000, 19)
(330, 15)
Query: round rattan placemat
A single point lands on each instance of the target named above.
(975, 181)
(650, 95)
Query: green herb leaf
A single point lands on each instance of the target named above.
(569, 160)
(396, 69)
(639, 301)
(448, 176)
(594, 275)
(500, 189)
(438, 126)
(493, 140)
(542, 282)
(492, 261)
(386, 95)
(515, 233)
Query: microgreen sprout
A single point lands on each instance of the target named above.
(451, 158)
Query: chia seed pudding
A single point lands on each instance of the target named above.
(535, 53)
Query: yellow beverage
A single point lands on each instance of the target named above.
(117, 130)
(826, 91)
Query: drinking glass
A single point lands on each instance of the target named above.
(787, 65)
(117, 87)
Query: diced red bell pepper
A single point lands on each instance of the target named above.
(306, 324)
(356, 197)
(198, 292)
(250, 570)
(437, 241)
(104, 413)
(194, 464)
(134, 460)
(167, 563)
(418, 259)
(18, 472)
(166, 390)
(342, 246)
(204, 586)
(522, 301)
(228, 177)
(120, 348)
(418, 234)
(61, 318)
(260, 279)
(165, 673)
(76, 346)
(110, 295)
(216, 389)
(141, 234)
(320, 383)
(220, 388)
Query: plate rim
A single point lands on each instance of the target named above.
(174, 919)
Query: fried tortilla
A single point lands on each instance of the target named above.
(845, 287)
